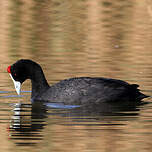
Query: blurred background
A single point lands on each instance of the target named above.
(101, 38)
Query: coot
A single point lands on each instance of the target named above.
(78, 91)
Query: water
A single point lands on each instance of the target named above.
(72, 39)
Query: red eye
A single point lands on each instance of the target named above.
(9, 69)
(15, 74)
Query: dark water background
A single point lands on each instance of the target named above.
(70, 39)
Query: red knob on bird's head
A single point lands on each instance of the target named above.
(9, 69)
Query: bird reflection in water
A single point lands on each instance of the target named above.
(29, 120)
(27, 124)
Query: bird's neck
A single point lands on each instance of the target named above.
(39, 84)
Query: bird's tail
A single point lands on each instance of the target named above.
(139, 95)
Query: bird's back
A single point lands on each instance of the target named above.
(85, 90)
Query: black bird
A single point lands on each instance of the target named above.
(77, 91)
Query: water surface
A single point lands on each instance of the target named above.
(72, 39)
